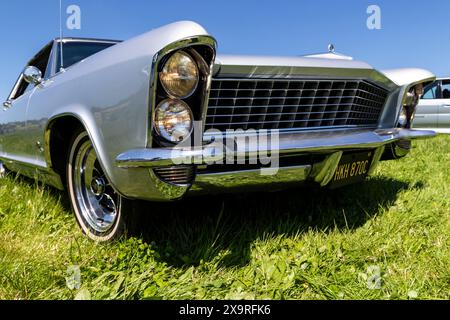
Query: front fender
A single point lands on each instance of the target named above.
(409, 76)
(126, 182)
(405, 79)
(109, 93)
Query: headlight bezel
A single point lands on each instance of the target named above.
(165, 135)
(166, 87)
(203, 49)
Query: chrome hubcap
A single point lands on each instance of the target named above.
(98, 186)
(99, 203)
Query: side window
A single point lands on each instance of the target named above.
(431, 92)
(446, 89)
(40, 61)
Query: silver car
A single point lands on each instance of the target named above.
(433, 111)
(161, 117)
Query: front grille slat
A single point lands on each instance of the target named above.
(288, 90)
(293, 104)
(281, 121)
(270, 106)
(285, 98)
(289, 113)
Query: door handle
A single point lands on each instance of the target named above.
(7, 104)
(446, 106)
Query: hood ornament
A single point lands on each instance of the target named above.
(331, 48)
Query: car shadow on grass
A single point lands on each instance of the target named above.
(224, 227)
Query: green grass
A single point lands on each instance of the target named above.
(299, 244)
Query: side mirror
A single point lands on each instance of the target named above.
(32, 75)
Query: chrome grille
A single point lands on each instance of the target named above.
(180, 175)
(293, 104)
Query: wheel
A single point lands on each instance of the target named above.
(2, 170)
(99, 210)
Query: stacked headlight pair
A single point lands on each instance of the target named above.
(180, 76)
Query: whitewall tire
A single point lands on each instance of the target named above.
(99, 210)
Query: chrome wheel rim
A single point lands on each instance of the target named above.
(98, 202)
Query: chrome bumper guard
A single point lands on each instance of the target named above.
(303, 142)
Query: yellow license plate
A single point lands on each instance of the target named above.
(353, 168)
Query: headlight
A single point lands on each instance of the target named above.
(180, 75)
(173, 120)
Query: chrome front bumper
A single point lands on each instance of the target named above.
(310, 142)
(332, 144)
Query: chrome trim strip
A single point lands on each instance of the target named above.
(319, 142)
(53, 60)
(89, 40)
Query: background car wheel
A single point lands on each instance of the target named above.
(2, 170)
(99, 210)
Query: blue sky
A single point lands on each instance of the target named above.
(413, 34)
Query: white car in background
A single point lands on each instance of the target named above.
(433, 111)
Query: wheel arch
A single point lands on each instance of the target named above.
(58, 135)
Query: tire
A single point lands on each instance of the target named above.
(2, 170)
(100, 211)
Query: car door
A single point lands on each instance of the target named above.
(17, 138)
(428, 108)
(13, 124)
(444, 107)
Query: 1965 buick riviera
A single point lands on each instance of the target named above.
(109, 121)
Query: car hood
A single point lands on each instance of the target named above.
(327, 66)
(316, 61)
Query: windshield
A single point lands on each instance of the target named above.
(76, 51)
